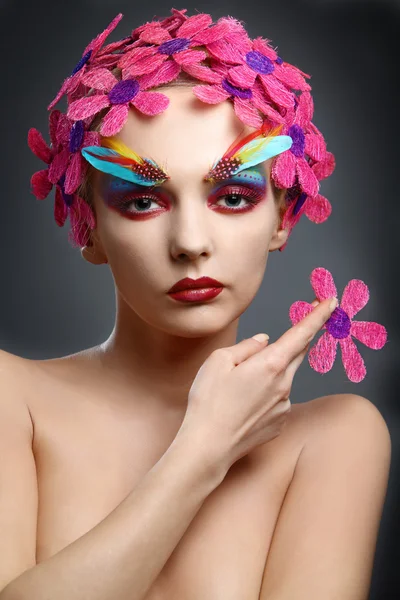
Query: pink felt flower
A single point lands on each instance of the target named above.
(278, 78)
(118, 94)
(340, 326)
(169, 54)
(72, 82)
(64, 170)
(318, 208)
(64, 156)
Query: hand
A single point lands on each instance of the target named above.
(239, 398)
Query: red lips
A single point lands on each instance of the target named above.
(189, 284)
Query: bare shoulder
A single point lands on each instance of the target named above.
(16, 376)
(337, 414)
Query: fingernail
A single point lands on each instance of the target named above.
(261, 337)
(333, 304)
(315, 303)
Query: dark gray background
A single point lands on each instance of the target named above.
(54, 303)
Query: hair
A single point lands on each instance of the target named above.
(85, 190)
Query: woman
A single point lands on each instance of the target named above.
(168, 461)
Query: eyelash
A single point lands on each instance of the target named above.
(252, 195)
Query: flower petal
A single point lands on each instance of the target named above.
(318, 209)
(59, 165)
(262, 46)
(194, 25)
(369, 333)
(322, 356)
(150, 103)
(154, 33)
(242, 76)
(212, 94)
(322, 283)
(352, 360)
(114, 120)
(305, 110)
(88, 106)
(284, 169)
(145, 65)
(307, 179)
(99, 40)
(299, 310)
(60, 208)
(355, 297)
(75, 173)
(325, 167)
(40, 184)
(100, 79)
(212, 34)
(315, 146)
(53, 120)
(247, 112)
(291, 77)
(260, 101)
(189, 57)
(38, 146)
(202, 73)
(277, 91)
(63, 131)
(135, 55)
(168, 71)
(233, 47)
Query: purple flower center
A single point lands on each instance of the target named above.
(259, 63)
(299, 140)
(124, 91)
(76, 136)
(82, 62)
(339, 324)
(68, 198)
(302, 198)
(236, 91)
(173, 46)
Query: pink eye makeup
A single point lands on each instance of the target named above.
(238, 194)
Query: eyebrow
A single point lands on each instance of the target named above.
(221, 171)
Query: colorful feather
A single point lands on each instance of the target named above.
(251, 150)
(115, 158)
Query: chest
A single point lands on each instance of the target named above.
(89, 461)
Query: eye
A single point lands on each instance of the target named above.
(242, 198)
(236, 194)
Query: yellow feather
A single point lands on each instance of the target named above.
(120, 147)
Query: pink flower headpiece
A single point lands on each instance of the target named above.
(340, 327)
(229, 66)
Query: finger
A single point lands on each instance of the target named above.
(295, 363)
(244, 349)
(294, 341)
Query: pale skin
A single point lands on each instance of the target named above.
(289, 520)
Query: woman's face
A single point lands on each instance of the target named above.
(187, 227)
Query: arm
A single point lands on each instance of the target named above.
(123, 555)
(324, 543)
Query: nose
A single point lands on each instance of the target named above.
(191, 229)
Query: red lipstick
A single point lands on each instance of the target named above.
(195, 290)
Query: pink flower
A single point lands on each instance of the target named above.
(118, 94)
(64, 157)
(72, 82)
(340, 326)
(66, 169)
(263, 64)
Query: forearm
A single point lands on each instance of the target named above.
(123, 555)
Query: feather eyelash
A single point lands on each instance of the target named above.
(115, 158)
(255, 148)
